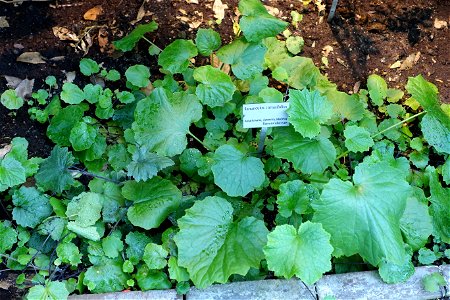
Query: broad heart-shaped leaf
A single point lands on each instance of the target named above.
(357, 139)
(85, 209)
(307, 155)
(106, 277)
(153, 201)
(82, 136)
(346, 106)
(129, 41)
(416, 223)
(394, 273)
(377, 89)
(440, 203)
(136, 242)
(306, 253)
(12, 173)
(71, 93)
(436, 124)
(145, 164)
(162, 122)
(212, 247)
(61, 124)
(215, 88)
(207, 41)
(299, 72)
(235, 173)
(307, 111)
(155, 256)
(246, 59)
(175, 57)
(256, 23)
(363, 217)
(54, 172)
(53, 290)
(294, 197)
(8, 236)
(31, 207)
(10, 99)
(138, 75)
(88, 66)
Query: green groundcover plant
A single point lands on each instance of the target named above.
(156, 184)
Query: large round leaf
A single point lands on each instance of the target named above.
(138, 75)
(307, 155)
(215, 88)
(306, 253)
(31, 207)
(175, 57)
(357, 139)
(236, 173)
(212, 247)
(153, 201)
(82, 136)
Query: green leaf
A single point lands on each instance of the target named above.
(112, 246)
(136, 242)
(10, 99)
(138, 75)
(235, 173)
(92, 92)
(215, 88)
(125, 97)
(256, 23)
(427, 256)
(88, 66)
(299, 72)
(82, 136)
(307, 155)
(71, 93)
(346, 106)
(295, 196)
(433, 282)
(207, 41)
(246, 59)
(61, 124)
(175, 57)
(153, 201)
(176, 272)
(8, 236)
(416, 223)
(53, 290)
(151, 279)
(155, 256)
(395, 273)
(127, 43)
(54, 172)
(12, 173)
(53, 227)
(357, 139)
(113, 75)
(146, 165)
(222, 247)
(363, 217)
(162, 122)
(307, 111)
(85, 209)
(31, 207)
(436, 133)
(446, 171)
(106, 277)
(306, 253)
(440, 202)
(377, 89)
(118, 157)
(295, 44)
(69, 253)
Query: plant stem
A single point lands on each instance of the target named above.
(82, 172)
(151, 43)
(398, 123)
(198, 140)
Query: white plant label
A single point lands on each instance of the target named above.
(265, 115)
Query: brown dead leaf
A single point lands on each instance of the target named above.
(219, 10)
(439, 24)
(410, 61)
(103, 40)
(141, 13)
(25, 88)
(12, 82)
(326, 50)
(93, 13)
(192, 1)
(3, 22)
(273, 11)
(65, 34)
(396, 65)
(31, 58)
(148, 89)
(5, 150)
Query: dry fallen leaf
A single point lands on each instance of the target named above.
(192, 1)
(3, 22)
(65, 34)
(103, 40)
(141, 13)
(410, 61)
(273, 11)
(439, 24)
(25, 88)
(326, 50)
(93, 13)
(70, 76)
(12, 82)
(219, 10)
(148, 89)
(396, 65)
(5, 150)
(31, 58)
